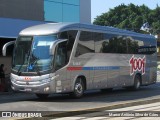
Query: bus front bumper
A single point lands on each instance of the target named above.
(41, 84)
(43, 88)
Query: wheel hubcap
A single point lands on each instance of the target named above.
(138, 84)
(78, 88)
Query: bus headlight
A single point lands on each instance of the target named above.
(13, 79)
(46, 80)
(51, 75)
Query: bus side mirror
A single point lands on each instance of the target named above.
(52, 48)
(54, 44)
(4, 49)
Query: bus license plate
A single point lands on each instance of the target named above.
(28, 89)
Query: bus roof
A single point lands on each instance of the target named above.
(51, 28)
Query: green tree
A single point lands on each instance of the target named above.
(131, 17)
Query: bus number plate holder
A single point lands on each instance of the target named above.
(28, 89)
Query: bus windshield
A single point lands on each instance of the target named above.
(32, 54)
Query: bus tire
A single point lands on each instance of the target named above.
(42, 96)
(137, 83)
(78, 88)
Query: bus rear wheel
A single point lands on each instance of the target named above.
(78, 89)
(42, 96)
(137, 83)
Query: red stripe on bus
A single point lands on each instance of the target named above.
(74, 68)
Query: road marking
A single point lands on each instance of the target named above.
(69, 118)
(147, 107)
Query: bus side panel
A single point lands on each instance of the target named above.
(111, 70)
(146, 75)
(100, 78)
(125, 77)
(77, 68)
(150, 75)
(105, 74)
(118, 74)
(145, 65)
(98, 62)
(62, 81)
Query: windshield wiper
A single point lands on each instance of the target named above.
(19, 72)
(36, 67)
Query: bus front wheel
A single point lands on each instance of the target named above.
(78, 88)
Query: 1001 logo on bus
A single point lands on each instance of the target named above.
(137, 64)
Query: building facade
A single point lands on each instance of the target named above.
(22, 9)
(47, 10)
(62, 10)
(67, 10)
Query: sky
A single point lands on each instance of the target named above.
(101, 6)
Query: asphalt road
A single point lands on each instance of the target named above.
(92, 99)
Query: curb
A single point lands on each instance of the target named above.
(53, 115)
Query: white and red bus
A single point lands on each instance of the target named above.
(72, 58)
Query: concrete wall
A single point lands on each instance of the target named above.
(22, 9)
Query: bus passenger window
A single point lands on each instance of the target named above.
(98, 38)
(132, 45)
(113, 44)
(60, 56)
(71, 39)
(70, 36)
(85, 44)
(145, 46)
